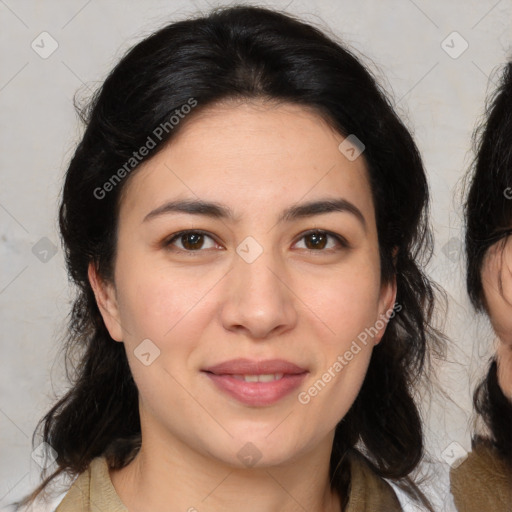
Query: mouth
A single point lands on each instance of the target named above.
(256, 383)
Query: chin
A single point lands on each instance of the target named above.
(256, 452)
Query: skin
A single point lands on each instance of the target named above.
(498, 262)
(294, 302)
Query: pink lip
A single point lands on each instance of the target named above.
(256, 393)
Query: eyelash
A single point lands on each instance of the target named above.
(169, 241)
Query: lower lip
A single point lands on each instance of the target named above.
(258, 393)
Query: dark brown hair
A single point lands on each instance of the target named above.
(488, 214)
(243, 53)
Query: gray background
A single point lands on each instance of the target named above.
(440, 97)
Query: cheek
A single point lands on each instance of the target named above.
(154, 302)
(349, 325)
(173, 315)
(333, 388)
(346, 300)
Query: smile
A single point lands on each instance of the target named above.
(256, 383)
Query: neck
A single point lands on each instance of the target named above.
(170, 476)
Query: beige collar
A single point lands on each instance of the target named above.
(93, 491)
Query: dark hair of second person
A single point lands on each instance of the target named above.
(484, 480)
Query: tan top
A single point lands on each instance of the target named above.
(93, 491)
(482, 482)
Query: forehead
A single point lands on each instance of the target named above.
(254, 153)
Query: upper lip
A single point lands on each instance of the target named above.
(251, 367)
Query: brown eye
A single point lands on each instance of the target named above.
(190, 241)
(319, 240)
(316, 241)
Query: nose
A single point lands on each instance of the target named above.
(259, 302)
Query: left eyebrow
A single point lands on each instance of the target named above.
(322, 207)
(219, 211)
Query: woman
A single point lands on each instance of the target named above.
(244, 219)
(484, 480)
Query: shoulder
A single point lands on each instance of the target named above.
(482, 482)
(92, 487)
(369, 491)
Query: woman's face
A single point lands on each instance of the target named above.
(204, 315)
(497, 265)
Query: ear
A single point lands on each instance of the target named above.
(386, 307)
(496, 275)
(504, 357)
(106, 300)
